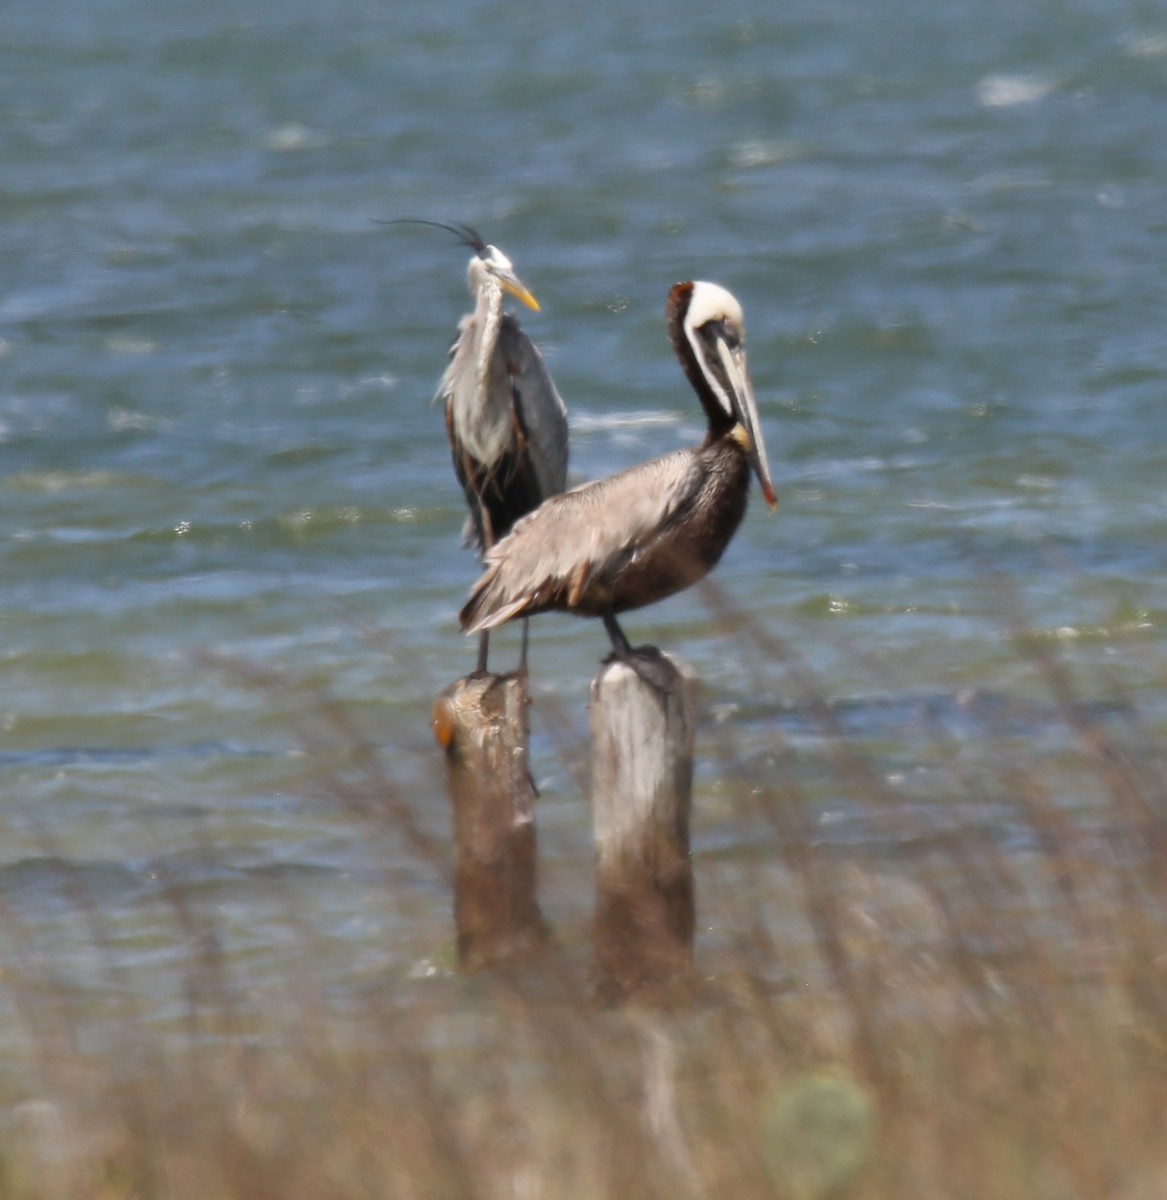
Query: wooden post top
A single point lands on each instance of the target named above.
(643, 719)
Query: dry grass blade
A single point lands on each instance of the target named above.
(967, 1007)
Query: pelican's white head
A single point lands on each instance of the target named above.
(712, 302)
(715, 330)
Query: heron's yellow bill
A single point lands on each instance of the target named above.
(519, 292)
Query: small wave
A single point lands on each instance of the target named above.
(57, 757)
(128, 420)
(1009, 181)
(591, 422)
(294, 136)
(758, 152)
(69, 881)
(130, 346)
(70, 884)
(970, 713)
(1146, 45)
(829, 468)
(1008, 91)
(384, 382)
(66, 481)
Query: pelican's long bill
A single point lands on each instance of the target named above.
(741, 393)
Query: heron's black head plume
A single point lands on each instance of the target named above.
(466, 235)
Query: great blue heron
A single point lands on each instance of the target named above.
(647, 532)
(505, 421)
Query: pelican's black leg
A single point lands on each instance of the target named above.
(647, 661)
(620, 644)
(483, 650)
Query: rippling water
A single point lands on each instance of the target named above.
(945, 223)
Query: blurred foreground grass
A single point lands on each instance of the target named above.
(979, 1017)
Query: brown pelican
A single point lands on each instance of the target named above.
(506, 423)
(647, 532)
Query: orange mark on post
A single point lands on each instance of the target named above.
(442, 722)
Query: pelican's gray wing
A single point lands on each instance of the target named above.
(541, 412)
(575, 544)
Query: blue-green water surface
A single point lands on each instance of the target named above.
(224, 494)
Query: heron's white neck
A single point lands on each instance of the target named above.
(489, 313)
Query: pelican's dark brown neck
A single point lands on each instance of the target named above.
(680, 296)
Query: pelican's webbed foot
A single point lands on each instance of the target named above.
(650, 664)
(647, 661)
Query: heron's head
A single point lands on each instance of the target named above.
(490, 263)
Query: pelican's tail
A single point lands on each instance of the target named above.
(487, 608)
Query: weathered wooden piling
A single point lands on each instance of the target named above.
(642, 723)
(481, 723)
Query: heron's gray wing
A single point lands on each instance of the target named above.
(539, 407)
(508, 438)
(553, 553)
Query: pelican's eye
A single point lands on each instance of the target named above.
(720, 330)
(730, 335)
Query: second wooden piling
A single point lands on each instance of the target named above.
(642, 724)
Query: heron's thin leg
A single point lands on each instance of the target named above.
(523, 650)
(619, 642)
(483, 649)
